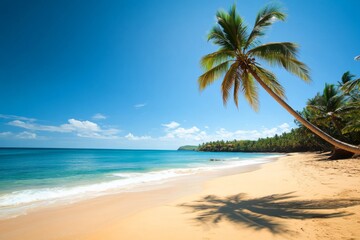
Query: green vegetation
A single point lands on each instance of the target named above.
(294, 141)
(188, 148)
(336, 111)
(238, 60)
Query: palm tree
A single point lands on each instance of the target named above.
(351, 89)
(330, 108)
(348, 83)
(237, 59)
(345, 78)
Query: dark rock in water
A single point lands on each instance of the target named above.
(216, 160)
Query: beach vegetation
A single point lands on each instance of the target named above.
(239, 61)
(333, 111)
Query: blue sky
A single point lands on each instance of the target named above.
(123, 74)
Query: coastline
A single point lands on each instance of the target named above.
(30, 198)
(157, 212)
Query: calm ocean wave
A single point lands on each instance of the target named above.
(33, 177)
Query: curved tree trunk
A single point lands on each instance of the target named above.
(338, 153)
(311, 127)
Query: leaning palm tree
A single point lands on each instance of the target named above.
(237, 60)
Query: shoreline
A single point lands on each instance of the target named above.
(139, 184)
(156, 213)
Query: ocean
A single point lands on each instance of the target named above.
(30, 178)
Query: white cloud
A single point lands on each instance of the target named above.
(76, 125)
(223, 134)
(5, 116)
(195, 135)
(37, 127)
(99, 116)
(26, 135)
(183, 132)
(173, 133)
(171, 125)
(22, 135)
(131, 137)
(86, 129)
(285, 127)
(139, 105)
(5, 134)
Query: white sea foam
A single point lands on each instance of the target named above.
(18, 202)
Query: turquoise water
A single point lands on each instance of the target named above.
(31, 177)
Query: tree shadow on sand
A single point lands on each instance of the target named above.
(261, 213)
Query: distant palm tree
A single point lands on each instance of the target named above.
(237, 59)
(348, 83)
(351, 88)
(345, 78)
(330, 108)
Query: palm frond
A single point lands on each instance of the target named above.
(211, 75)
(265, 17)
(324, 119)
(283, 54)
(218, 37)
(229, 81)
(297, 68)
(348, 109)
(223, 19)
(250, 90)
(232, 27)
(215, 58)
(330, 92)
(350, 85)
(275, 50)
(317, 100)
(316, 108)
(346, 77)
(353, 126)
(270, 80)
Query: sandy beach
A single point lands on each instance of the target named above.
(180, 120)
(300, 196)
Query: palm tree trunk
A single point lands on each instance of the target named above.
(311, 127)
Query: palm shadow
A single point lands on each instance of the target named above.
(263, 212)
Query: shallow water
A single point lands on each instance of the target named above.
(34, 177)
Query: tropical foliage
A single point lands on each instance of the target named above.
(337, 109)
(334, 110)
(294, 141)
(238, 52)
(238, 61)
